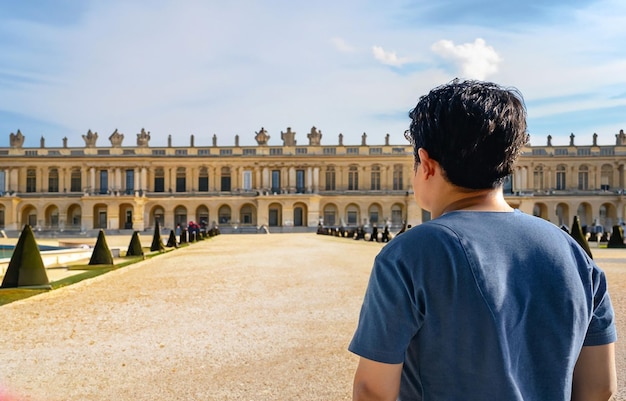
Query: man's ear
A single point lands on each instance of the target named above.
(428, 165)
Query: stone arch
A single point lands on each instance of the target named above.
(202, 215)
(397, 214)
(51, 217)
(224, 215)
(540, 210)
(74, 217)
(584, 213)
(28, 215)
(157, 212)
(352, 215)
(274, 214)
(127, 215)
(563, 215)
(330, 214)
(607, 216)
(180, 216)
(375, 214)
(100, 216)
(248, 214)
(300, 213)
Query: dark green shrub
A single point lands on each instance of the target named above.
(579, 236)
(101, 254)
(26, 267)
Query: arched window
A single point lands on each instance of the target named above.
(330, 178)
(181, 179)
(225, 181)
(583, 178)
(375, 181)
(159, 180)
(203, 179)
(397, 178)
(538, 178)
(76, 181)
(353, 178)
(560, 177)
(31, 180)
(53, 180)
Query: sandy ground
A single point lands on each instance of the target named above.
(236, 317)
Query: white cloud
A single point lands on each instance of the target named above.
(388, 58)
(476, 60)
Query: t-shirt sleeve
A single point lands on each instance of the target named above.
(389, 317)
(601, 330)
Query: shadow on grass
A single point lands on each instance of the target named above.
(8, 295)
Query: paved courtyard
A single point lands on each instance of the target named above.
(236, 317)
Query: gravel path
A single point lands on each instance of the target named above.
(236, 317)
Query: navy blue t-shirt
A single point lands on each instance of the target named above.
(484, 306)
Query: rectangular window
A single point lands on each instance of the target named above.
(203, 184)
(226, 152)
(301, 151)
(181, 152)
(75, 181)
(159, 184)
(204, 152)
(225, 183)
(330, 151)
(249, 152)
(158, 152)
(130, 182)
(276, 151)
(352, 217)
(560, 180)
(104, 181)
(2, 183)
(181, 184)
(352, 151)
(275, 181)
(247, 180)
(376, 151)
(31, 180)
(375, 184)
(53, 182)
(583, 180)
(300, 181)
(353, 181)
(330, 180)
(397, 179)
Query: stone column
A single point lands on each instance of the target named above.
(92, 179)
(316, 179)
(292, 180)
(266, 178)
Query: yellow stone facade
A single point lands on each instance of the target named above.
(289, 187)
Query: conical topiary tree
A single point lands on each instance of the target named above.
(579, 236)
(101, 254)
(26, 267)
(171, 241)
(617, 238)
(157, 242)
(135, 248)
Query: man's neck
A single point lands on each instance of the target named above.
(486, 200)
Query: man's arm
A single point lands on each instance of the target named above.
(595, 377)
(376, 381)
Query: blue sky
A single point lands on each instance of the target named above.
(231, 67)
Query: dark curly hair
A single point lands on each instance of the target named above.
(474, 129)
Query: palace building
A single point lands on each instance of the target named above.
(288, 188)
